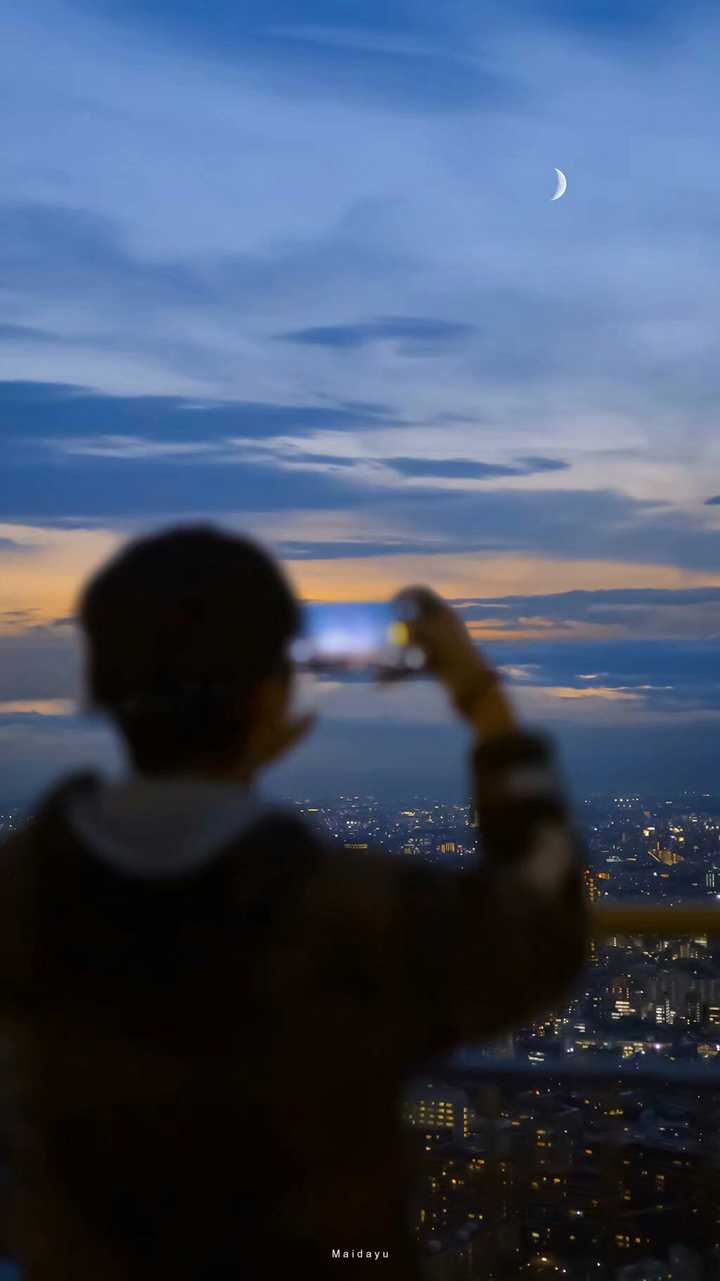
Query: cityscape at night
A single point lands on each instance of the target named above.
(586, 1144)
(551, 1163)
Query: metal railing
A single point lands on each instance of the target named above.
(653, 918)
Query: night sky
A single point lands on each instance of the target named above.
(299, 273)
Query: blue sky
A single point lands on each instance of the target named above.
(296, 269)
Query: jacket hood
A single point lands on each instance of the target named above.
(163, 827)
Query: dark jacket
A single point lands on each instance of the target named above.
(211, 1059)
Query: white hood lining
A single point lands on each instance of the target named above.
(165, 827)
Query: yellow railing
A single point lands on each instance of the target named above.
(640, 918)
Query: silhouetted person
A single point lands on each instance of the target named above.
(214, 1012)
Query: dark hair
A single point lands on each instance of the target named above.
(180, 628)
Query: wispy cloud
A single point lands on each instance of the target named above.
(413, 335)
(610, 693)
(468, 469)
(38, 706)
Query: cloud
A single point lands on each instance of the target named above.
(610, 693)
(25, 333)
(390, 58)
(613, 19)
(378, 194)
(467, 469)
(36, 750)
(12, 618)
(276, 191)
(639, 612)
(40, 411)
(38, 707)
(41, 661)
(519, 671)
(39, 667)
(536, 464)
(414, 335)
(129, 447)
(419, 758)
(622, 681)
(76, 453)
(9, 544)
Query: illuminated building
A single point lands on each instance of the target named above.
(437, 1112)
(669, 858)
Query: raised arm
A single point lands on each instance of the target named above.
(486, 949)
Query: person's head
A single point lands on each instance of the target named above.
(187, 634)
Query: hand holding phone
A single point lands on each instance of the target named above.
(368, 639)
(415, 634)
(450, 654)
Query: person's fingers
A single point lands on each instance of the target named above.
(440, 632)
(418, 601)
(425, 615)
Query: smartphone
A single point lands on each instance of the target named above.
(356, 639)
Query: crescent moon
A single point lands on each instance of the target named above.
(561, 185)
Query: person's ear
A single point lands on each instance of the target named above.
(262, 710)
(273, 731)
(280, 738)
(271, 700)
